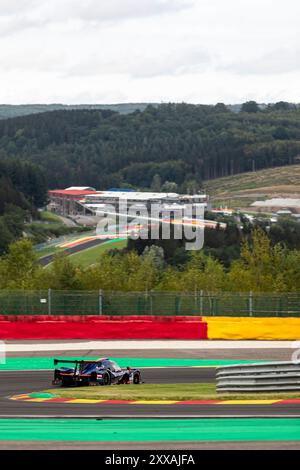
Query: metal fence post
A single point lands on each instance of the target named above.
(201, 303)
(251, 303)
(151, 303)
(216, 305)
(100, 299)
(25, 301)
(177, 305)
(279, 307)
(211, 306)
(49, 302)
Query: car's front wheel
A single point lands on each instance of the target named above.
(137, 378)
(106, 379)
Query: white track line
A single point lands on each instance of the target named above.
(129, 345)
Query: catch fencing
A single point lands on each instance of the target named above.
(52, 302)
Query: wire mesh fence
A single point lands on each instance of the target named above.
(50, 302)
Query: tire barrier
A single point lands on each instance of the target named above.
(267, 377)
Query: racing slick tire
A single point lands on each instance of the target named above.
(106, 379)
(136, 378)
(93, 380)
(57, 378)
(65, 383)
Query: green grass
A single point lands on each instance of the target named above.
(91, 255)
(51, 250)
(178, 392)
(47, 216)
(47, 227)
(234, 202)
(88, 256)
(54, 247)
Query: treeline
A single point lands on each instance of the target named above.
(223, 245)
(169, 147)
(262, 267)
(8, 111)
(22, 189)
(21, 182)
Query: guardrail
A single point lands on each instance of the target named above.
(265, 377)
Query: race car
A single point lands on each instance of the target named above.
(102, 371)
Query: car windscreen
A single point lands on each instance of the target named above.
(115, 367)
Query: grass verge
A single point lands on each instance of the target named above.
(90, 256)
(47, 216)
(87, 256)
(180, 392)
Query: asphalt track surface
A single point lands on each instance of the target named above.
(17, 382)
(71, 251)
(280, 354)
(166, 445)
(14, 382)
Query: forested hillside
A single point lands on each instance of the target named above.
(22, 189)
(21, 183)
(170, 146)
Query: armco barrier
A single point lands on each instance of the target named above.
(105, 328)
(268, 377)
(242, 328)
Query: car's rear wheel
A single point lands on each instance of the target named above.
(137, 378)
(66, 383)
(93, 379)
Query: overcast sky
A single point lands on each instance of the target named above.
(111, 51)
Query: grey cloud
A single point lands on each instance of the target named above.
(19, 15)
(276, 62)
(176, 62)
(16, 7)
(95, 10)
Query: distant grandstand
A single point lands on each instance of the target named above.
(85, 200)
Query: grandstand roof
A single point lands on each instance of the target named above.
(80, 188)
(137, 195)
(71, 192)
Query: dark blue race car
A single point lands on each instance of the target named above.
(98, 372)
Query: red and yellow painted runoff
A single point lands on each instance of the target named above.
(83, 401)
(252, 328)
(143, 327)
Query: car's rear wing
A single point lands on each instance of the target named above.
(75, 361)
